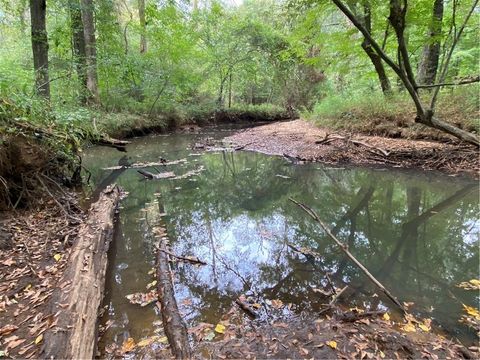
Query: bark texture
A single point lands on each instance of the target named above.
(427, 68)
(87, 7)
(79, 295)
(374, 57)
(143, 26)
(173, 324)
(79, 52)
(38, 9)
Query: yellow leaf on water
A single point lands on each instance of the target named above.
(128, 345)
(386, 317)
(409, 327)
(220, 328)
(57, 257)
(472, 311)
(473, 284)
(163, 340)
(332, 344)
(39, 339)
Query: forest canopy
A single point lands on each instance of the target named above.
(187, 59)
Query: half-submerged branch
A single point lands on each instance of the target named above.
(79, 296)
(344, 248)
(173, 324)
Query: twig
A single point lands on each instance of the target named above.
(245, 307)
(461, 82)
(344, 248)
(193, 260)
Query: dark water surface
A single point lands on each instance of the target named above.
(417, 232)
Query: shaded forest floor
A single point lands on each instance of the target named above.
(303, 141)
(34, 248)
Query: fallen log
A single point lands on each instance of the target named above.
(173, 324)
(76, 301)
(162, 162)
(344, 248)
(151, 176)
(120, 145)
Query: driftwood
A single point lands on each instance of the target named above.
(192, 259)
(173, 324)
(373, 149)
(344, 248)
(120, 145)
(247, 308)
(141, 165)
(79, 295)
(151, 176)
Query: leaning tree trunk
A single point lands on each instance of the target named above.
(143, 26)
(374, 57)
(79, 51)
(38, 9)
(90, 50)
(427, 68)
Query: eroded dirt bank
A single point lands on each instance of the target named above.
(306, 142)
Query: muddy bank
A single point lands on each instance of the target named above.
(306, 142)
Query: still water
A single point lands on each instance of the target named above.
(417, 232)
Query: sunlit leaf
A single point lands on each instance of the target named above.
(332, 344)
(128, 345)
(220, 328)
(473, 284)
(472, 311)
(409, 327)
(57, 257)
(38, 339)
(386, 317)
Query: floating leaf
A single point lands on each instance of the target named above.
(57, 257)
(472, 311)
(473, 284)
(38, 339)
(143, 299)
(386, 317)
(148, 341)
(128, 345)
(220, 328)
(152, 284)
(332, 344)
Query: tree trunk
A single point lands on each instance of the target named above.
(38, 10)
(77, 300)
(427, 68)
(143, 26)
(374, 57)
(79, 54)
(90, 50)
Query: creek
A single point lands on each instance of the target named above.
(415, 231)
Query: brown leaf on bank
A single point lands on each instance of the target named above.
(13, 344)
(8, 329)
